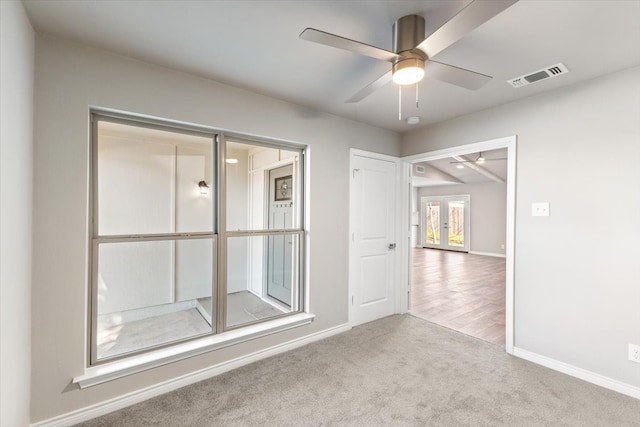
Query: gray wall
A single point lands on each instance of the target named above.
(576, 274)
(16, 193)
(488, 212)
(72, 77)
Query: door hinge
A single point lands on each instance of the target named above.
(351, 299)
(354, 172)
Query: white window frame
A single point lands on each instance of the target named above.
(99, 371)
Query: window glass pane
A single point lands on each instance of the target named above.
(262, 187)
(194, 186)
(148, 181)
(262, 277)
(432, 222)
(456, 223)
(151, 293)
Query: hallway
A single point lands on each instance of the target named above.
(460, 291)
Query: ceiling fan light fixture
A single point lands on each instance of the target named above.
(480, 159)
(408, 71)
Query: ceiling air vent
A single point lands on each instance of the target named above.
(545, 73)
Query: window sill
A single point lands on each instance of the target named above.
(121, 368)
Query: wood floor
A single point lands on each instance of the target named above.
(460, 291)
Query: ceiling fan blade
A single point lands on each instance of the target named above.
(472, 16)
(370, 88)
(328, 39)
(455, 75)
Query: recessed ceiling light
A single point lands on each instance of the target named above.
(232, 161)
(413, 120)
(460, 167)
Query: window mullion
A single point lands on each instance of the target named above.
(221, 288)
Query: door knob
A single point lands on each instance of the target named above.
(392, 246)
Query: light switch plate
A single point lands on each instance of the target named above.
(540, 209)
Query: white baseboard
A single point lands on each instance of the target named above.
(488, 254)
(120, 402)
(583, 374)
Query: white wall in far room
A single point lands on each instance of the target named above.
(488, 208)
(148, 183)
(415, 217)
(237, 219)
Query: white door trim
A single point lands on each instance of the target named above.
(510, 144)
(398, 304)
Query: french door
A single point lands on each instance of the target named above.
(444, 222)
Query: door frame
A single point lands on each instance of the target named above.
(398, 290)
(509, 143)
(467, 223)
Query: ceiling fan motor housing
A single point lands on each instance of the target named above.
(408, 32)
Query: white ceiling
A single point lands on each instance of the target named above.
(255, 45)
(446, 172)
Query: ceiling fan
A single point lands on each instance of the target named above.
(412, 53)
(479, 160)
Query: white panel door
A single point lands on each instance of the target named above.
(373, 207)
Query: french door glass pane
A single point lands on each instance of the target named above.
(262, 277)
(456, 223)
(432, 221)
(151, 293)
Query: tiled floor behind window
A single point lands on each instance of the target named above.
(243, 307)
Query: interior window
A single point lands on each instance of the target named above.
(166, 264)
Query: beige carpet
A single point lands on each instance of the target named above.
(398, 371)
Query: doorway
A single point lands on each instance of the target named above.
(444, 222)
(463, 157)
